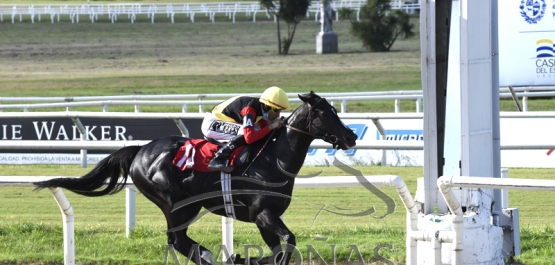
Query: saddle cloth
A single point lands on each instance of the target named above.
(196, 154)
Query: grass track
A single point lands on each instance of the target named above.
(31, 232)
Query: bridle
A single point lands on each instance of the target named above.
(326, 137)
(332, 139)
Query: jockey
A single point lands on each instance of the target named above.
(243, 120)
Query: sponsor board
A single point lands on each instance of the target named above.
(513, 131)
(97, 129)
(526, 43)
(395, 130)
(63, 129)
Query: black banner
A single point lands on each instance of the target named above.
(63, 129)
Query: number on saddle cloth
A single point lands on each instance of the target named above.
(196, 154)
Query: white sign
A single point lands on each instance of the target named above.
(526, 42)
(395, 131)
(48, 158)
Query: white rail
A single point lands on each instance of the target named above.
(63, 204)
(227, 223)
(169, 10)
(68, 218)
(505, 92)
(195, 96)
(317, 144)
(185, 100)
(185, 104)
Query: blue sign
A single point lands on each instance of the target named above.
(402, 135)
(358, 129)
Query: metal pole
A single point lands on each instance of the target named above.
(496, 127)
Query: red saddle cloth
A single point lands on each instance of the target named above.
(196, 154)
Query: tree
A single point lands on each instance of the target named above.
(380, 27)
(290, 11)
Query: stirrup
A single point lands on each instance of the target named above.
(226, 168)
(220, 167)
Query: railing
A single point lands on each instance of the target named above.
(376, 118)
(170, 10)
(185, 100)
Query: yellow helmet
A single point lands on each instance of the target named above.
(275, 97)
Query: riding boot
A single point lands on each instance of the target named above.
(219, 162)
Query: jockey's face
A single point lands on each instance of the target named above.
(273, 114)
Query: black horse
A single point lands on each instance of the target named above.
(260, 190)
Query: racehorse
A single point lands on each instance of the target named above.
(260, 190)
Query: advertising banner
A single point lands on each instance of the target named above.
(63, 129)
(401, 130)
(514, 131)
(526, 43)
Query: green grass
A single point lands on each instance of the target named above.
(100, 235)
(84, 59)
(31, 232)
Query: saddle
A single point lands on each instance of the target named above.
(196, 154)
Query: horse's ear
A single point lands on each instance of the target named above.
(304, 97)
(309, 98)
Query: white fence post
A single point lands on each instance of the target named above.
(129, 210)
(68, 219)
(227, 236)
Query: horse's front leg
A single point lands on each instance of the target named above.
(275, 229)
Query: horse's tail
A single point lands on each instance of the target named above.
(107, 171)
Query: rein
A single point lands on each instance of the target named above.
(257, 154)
(301, 131)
